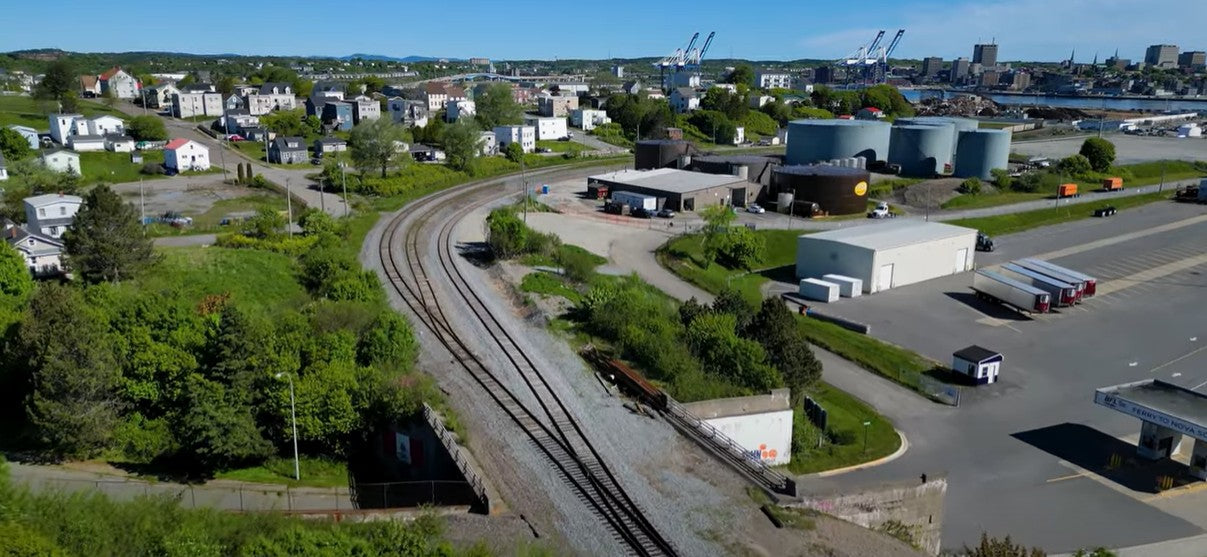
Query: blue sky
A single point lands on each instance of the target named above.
(526, 29)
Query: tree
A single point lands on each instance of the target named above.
(507, 233)
(717, 220)
(217, 431)
(73, 405)
(971, 186)
(226, 86)
(462, 145)
(147, 128)
(514, 152)
(786, 346)
(994, 547)
(105, 242)
(743, 73)
(497, 107)
(888, 99)
(1002, 179)
(15, 279)
(1100, 153)
(13, 145)
(69, 102)
(713, 338)
(109, 98)
(740, 248)
(373, 144)
(715, 125)
(288, 123)
(1074, 165)
(59, 81)
(732, 105)
(267, 223)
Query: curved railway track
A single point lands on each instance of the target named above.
(547, 423)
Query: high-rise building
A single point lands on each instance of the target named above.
(990, 79)
(931, 66)
(985, 55)
(618, 71)
(1020, 80)
(1161, 55)
(959, 69)
(823, 74)
(1192, 59)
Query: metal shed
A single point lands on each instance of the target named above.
(887, 255)
(981, 365)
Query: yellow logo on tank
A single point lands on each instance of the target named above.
(861, 188)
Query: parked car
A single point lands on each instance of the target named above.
(755, 208)
(881, 212)
(170, 171)
(564, 138)
(641, 213)
(235, 137)
(983, 242)
(316, 161)
(666, 214)
(544, 150)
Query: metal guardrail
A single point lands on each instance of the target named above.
(455, 452)
(734, 452)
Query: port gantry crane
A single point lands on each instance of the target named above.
(871, 60)
(681, 59)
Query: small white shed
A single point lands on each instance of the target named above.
(981, 365)
(819, 290)
(847, 287)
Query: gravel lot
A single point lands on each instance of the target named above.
(1129, 149)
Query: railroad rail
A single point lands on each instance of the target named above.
(549, 425)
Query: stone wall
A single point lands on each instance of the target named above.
(917, 507)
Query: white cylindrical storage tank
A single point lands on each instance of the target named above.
(823, 140)
(783, 202)
(981, 151)
(921, 150)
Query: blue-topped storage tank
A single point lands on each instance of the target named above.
(811, 141)
(921, 150)
(981, 151)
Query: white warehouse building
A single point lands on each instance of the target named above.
(887, 255)
(547, 127)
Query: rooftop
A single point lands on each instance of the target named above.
(820, 170)
(891, 235)
(976, 353)
(1166, 398)
(775, 401)
(47, 199)
(668, 179)
(176, 144)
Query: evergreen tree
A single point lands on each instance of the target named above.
(787, 349)
(105, 242)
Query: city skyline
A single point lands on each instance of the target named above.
(1026, 30)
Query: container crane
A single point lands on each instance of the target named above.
(871, 60)
(674, 60)
(694, 57)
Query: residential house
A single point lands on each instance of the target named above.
(120, 84)
(426, 153)
(81, 143)
(30, 135)
(488, 144)
(43, 256)
(729, 87)
(365, 108)
(105, 125)
(524, 135)
(758, 101)
(684, 99)
(556, 105)
(457, 110)
(587, 118)
(63, 126)
(767, 79)
(233, 102)
(270, 97)
(90, 86)
(337, 115)
(435, 94)
(198, 87)
(61, 160)
(571, 87)
(233, 121)
(119, 143)
(255, 133)
(327, 145)
(51, 214)
(547, 127)
(408, 112)
(631, 87)
(323, 92)
(3, 168)
(288, 150)
(188, 104)
(160, 96)
(185, 154)
(869, 113)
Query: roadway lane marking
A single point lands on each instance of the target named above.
(1122, 238)
(1178, 359)
(1151, 274)
(1063, 478)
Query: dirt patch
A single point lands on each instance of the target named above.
(930, 193)
(190, 195)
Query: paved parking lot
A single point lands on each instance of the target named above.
(1027, 457)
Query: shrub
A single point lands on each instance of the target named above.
(1074, 165)
(1099, 152)
(258, 181)
(971, 186)
(1002, 179)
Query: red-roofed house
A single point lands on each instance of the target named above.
(185, 154)
(869, 113)
(122, 84)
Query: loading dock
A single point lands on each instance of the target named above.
(1167, 412)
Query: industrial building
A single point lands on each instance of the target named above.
(832, 190)
(887, 255)
(978, 152)
(761, 424)
(662, 153)
(811, 141)
(677, 190)
(755, 168)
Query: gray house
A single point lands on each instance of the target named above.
(287, 150)
(329, 145)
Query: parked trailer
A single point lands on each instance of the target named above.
(1067, 190)
(989, 285)
(1063, 294)
(819, 290)
(635, 200)
(1091, 283)
(1113, 183)
(1077, 281)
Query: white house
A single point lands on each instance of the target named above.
(3, 168)
(118, 143)
(328, 145)
(684, 99)
(90, 86)
(488, 143)
(739, 135)
(270, 97)
(51, 214)
(63, 126)
(61, 160)
(460, 109)
(587, 118)
(524, 135)
(185, 154)
(235, 120)
(435, 95)
(407, 112)
(772, 80)
(105, 125)
(547, 127)
(120, 83)
(30, 134)
(160, 95)
(81, 143)
(43, 256)
(190, 104)
(365, 108)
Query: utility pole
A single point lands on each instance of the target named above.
(1161, 187)
(343, 174)
(142, 207)
(222, 154)
(289, 205)
(524, 182)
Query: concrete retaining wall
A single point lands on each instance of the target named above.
(469, 468)
(918, 507)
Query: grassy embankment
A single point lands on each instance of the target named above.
(1018, 222)
(1134, 176)
(27, 111)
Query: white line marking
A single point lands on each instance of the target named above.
(1176, 360)
(1196, 387)
(1122, 238)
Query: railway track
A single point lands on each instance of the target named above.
(546, 421)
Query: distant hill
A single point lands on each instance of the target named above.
(379, 57)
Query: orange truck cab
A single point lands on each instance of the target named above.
(1112, 184)
(1067, 190)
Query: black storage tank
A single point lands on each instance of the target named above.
(838, 190)
(758, 167)
(660, 153)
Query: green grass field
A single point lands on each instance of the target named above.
(888, 360)
(253, 149)
(549, 284)
(257, 278)
(209, 221)
(1018, 222)
(27, 111)
(845, 443)
(991, 200)
(315, 472)
(684, 256)
(1134, 176)
(116, 168)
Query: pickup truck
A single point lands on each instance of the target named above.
(881, 212)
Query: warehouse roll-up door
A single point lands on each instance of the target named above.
(885, 280)
(961, 260)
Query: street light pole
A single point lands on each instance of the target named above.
(343, 174)
(293, 417)
(865, 436)
(289, 205)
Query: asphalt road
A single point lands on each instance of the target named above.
(1015, 453)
